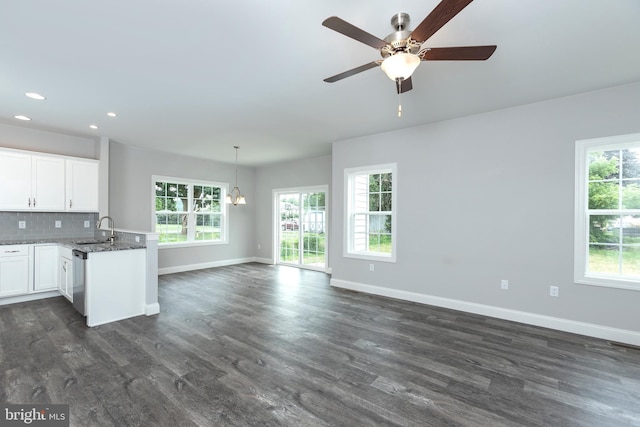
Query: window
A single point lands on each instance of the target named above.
(370, 216)
(607, 234)
(188, 211)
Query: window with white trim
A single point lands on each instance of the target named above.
(370, 212)
(187, 211)
(607, 232)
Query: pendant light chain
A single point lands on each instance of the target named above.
(236, 147)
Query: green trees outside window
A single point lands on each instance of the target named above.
(614, 212)
(189, 212)
(371, 212)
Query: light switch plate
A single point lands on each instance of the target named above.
(22, 224)
(58, 224)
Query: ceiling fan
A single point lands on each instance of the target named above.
(403, 49)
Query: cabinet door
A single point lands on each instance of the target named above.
(82, 186)
(65, 281)
(45, 271)
(14, 275)
(15, 181)
(47, 183)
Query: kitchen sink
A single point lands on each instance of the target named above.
(90, 242)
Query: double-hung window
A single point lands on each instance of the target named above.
(371, 212)
(607, 232)
(189, 212)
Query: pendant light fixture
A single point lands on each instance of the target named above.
(235, 197)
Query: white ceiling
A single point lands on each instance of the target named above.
(198, 77)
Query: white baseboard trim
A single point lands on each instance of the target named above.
(29, 297)
(151, 309)
(580, 328)
(268, 261)
(201, 266)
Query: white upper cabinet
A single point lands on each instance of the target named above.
(41, 182)
(47, 183)
(29, 182)
(15, 180)
(82, 185)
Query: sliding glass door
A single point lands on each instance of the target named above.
(301, 227)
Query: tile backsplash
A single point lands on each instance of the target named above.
(42, 225)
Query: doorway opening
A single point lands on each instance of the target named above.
(301, 227)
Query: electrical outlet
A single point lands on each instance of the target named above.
(104, 234)
(137, 238)
(371, 267)
(504, 284)
(22, 224)
(553, 291)
(58, 224)
(259, 247)
(87, 224)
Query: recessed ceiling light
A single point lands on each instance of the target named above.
(34, 95)
(93, 126)
(111, 114)
(21, 117)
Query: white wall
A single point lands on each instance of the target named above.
(48, 142)
(490, 197)
(300, 173)
(131, 169)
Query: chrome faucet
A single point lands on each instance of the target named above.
(112, 238)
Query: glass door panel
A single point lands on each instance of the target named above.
(289, 207)
(302, 229)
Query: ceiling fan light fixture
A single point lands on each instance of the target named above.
(400, 65)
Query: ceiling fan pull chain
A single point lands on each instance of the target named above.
(399, 85)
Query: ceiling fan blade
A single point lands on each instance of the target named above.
(353, 71)
(404, 85)
(349, 30)
(439, 16)
(461, 53)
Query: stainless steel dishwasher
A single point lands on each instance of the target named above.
(79, 280)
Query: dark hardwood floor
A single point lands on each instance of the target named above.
(265, 345)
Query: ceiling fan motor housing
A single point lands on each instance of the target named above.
(400, 40)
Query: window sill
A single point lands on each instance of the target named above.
(606, 282)
(370, 257)
(188, 244)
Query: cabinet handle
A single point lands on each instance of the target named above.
(64, 266)
(34, 202)
(29, 201)
(70, 204)
(11, 252)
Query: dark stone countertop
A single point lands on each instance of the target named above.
(87, 245)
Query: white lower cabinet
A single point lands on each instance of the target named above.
(14, 270)
(114, 285)
(45, 271)
(29, 269)
(65, 279)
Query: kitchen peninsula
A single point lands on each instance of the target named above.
(105, 282)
